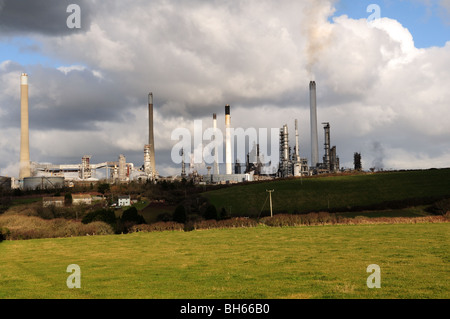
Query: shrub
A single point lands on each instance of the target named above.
(283, 220)
(447, 215)
(179, 214)
(105, 215)
(132, 215)
(440, 207)
(211, 212)
(4, 233)
(189, 226)
(31, 227)
(164, 217)
(68, 199)
(223, 214)
(159, 226)
(227, 223)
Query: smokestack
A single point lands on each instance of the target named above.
(326, 158)
(151, 141)
(228, 164)
(297, 151)
(313, 113)
(285, 143)
(216, 149)
(24, 170)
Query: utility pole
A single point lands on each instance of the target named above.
(270, 196)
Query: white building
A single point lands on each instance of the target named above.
(53, 201)
(124, 201)
(78, 199)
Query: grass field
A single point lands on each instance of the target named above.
(334, 193)
(261, 262)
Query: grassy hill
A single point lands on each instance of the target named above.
(387, 190)
(243, 263)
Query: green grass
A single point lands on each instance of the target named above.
(140, 205)
(261, 262)
(335, 193)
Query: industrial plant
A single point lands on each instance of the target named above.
(34, 175)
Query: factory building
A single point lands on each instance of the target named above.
(42, 182)
(330, 162)
(253, 161)
(228, 178)
(291, 165)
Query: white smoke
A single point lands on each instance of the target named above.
(317, 31)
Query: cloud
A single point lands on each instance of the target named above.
(48, 17)
(445, 13)
(373, 84)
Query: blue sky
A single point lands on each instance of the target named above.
(25, 51)
(426, 22)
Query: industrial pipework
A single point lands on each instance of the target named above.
(228, 160)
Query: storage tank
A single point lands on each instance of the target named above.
(43, 182)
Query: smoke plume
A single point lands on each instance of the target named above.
(378, 151)
(317, 31)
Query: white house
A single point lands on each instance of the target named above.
(78, 199)
(124, 201)
(53, 201)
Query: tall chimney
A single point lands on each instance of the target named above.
(216, 149)
(326, 158)
(297, 151)
(313, 113)
(228, 164)
(151, 140)
(24, 170)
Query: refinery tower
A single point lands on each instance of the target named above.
(24, 168)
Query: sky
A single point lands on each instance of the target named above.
(382, 83)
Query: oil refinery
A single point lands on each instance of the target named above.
(34, 175)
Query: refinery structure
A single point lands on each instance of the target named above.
(34, 175)
(291, 164)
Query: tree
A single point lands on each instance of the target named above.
(211, 212)
(223, 214)
(102, 188)
(131, 215)
(179, 215)
(357, 161)
(104, 215)
(68, 199)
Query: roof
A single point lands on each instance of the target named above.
(52, 199)
(81, 196)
